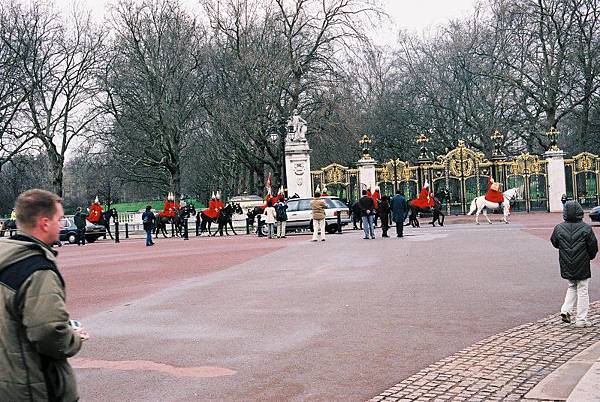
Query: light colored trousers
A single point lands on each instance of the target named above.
(318, 226)
(577, 292)
(280, 228)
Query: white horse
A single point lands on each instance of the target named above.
(481, 204)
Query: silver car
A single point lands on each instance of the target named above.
(299, 213)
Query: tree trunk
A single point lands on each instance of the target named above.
(56, 173)
(176, 180)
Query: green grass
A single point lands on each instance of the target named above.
(141, 205)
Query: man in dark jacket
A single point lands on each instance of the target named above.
(148, 219)
(367, 213)
(384, 213)
(35, 335)
(399, 210)
(577, 246)
(79, 220)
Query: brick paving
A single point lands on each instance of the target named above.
(503, 367)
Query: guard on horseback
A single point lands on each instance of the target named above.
(95, 211)
(170, 208)
(425, 199)
(494, 194)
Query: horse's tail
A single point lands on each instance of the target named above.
(473, 207)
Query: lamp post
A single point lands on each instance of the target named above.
(365, 142)
(497, 137)
(553, 135)
(422, 140)
(277, 136)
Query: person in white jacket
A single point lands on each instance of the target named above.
(270, 217)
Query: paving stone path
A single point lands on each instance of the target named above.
(503, 367)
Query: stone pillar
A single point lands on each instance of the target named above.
(297, 168)
(557, 185)
(366, 174)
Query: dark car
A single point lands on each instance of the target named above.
(69, 231)
(595, 214)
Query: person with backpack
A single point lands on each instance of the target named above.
(281, 215)
(36, 336)
(577, 246)
(148, 219)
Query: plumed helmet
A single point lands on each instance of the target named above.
(324, 188)
(96, 200)
(218, 195)
(426, 184)
(318, 189)
(213, 196)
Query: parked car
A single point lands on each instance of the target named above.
(595, 214)
(69, 231)
(300, 215)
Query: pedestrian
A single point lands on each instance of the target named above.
(356, 216)
(577, 246)
(36, 337)
(281, 212)
(270, 217)
(384, 214)
(318, 207)
(148, 219)
(79, 220)
(367, 213)
(399, 212)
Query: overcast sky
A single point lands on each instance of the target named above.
(414, 16)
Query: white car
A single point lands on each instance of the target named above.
(300, 215)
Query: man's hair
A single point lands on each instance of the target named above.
(364, 192)
(78, 209)
(35, 204)
(148, 207)
(317, 194)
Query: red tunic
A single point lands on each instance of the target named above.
(493, 195)
(169, 209)
(425, 199)
(95, 213)
(212, 211)
(375, 198)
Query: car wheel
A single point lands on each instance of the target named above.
(264, 229)
(72, 238)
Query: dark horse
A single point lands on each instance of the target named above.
(180, 217)
(225, 217)
(160, 225)
(438, 215)
(105, 217)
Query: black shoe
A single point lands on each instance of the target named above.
(365, 238)
(566, 317)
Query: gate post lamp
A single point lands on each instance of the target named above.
(553, 135)
(497, 137)
(365, 142)
(422, 140)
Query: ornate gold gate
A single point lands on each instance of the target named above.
(337, 180)
(582, 177)
(397, 175)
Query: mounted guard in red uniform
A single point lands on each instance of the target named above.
(95, 211)
(494, 194)
(170, 208)
(425, 199)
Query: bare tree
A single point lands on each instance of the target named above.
(60, 66)
(155, 80)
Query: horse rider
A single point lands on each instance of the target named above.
(425, 199)
(494, 194)
(95, 211)
(170, 207)
(213, 209)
